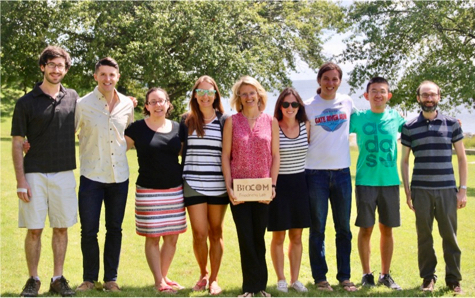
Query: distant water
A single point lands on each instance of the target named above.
(307, 89)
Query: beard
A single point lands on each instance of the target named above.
(426, 108)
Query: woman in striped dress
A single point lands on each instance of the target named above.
(159, 207)
(289, 211)
(205, 193)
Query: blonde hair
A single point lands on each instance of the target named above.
(247, 80)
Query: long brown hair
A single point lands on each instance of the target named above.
(326, 67)
(194, 117)
(301, 115)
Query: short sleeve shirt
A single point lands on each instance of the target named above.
(431, 142)
(377, 135)
(48, 124)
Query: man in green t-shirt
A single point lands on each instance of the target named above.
(377, 180)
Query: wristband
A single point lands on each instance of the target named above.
(21, 190)
(273, 185)
(463, 187)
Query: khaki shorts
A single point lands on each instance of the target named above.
(53, 194)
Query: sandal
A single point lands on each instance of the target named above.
(324, 286)
(174, 285)
(247, 294)
(348, 286)
(200, 285)
(264, 294)
(214, 288)
(167, 289)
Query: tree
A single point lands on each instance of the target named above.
(411, 41)
(171, 43)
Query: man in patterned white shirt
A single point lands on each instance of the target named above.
(101, 118)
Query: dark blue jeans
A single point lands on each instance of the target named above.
(91, 196)
(333, 186)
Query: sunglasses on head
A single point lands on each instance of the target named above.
(294, 104)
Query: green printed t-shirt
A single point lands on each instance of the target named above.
(377, 143)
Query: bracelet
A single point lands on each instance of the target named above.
(273, 185)
(21, 190)
(463, 187)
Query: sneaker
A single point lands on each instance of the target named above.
(111, 286)
(368, 280)
(85, 286)
(282, 286)
(61, 286)
(299, 287)
(31, 288)
(428, 284)
(388, 281)
(455, 287)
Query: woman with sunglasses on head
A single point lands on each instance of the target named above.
(159, 207)
(289, 211)
(327, 170)
(251, 150)
(205, 193)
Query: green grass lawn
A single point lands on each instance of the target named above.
(136, 279)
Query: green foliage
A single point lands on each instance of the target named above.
(172, 43)
(412, 41)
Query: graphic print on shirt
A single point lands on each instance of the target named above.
(331, 119)
(378, 140)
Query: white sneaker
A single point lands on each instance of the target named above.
(299, 287)
(282, 286)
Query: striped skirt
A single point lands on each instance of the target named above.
(159, 212)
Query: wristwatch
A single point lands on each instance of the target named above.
(463, 187)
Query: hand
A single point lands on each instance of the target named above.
(461, 199)
(21, 193)
(233, 198)
(26, 146)
(409, 201)
(134, 101)
(272, 197)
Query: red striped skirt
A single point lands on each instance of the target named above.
(159, 212)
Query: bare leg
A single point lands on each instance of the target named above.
(386, 246)
(215, 218)
(167, 253)
(59, 242)
(295, 253)
(199, 225)
(277, 253)
(152, 253)
(33, 250)
(364, 248)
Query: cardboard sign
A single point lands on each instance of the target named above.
(258, 189)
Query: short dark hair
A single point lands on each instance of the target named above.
(426, 82)
(153, 89)
(107, 61)
(51, 52)
(301, 115)
(376, 80)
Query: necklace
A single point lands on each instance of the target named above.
(251, 118)
(212, 117)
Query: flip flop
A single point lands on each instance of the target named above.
(214, 288)
(167, 289)
(175, 285)
(200, 285)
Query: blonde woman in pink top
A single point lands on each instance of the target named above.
(251, 150)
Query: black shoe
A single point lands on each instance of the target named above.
(388, 281)
(368, 280)
(31, 288)
(61, 286)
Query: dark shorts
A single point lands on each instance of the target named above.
(192, 197)
(386, 198)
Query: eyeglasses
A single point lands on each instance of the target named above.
(427, 95)
(250, 94)
(203, 92)
(53, 65)
(294, 104)
(154, 102)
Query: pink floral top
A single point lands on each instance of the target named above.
(251, 154)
